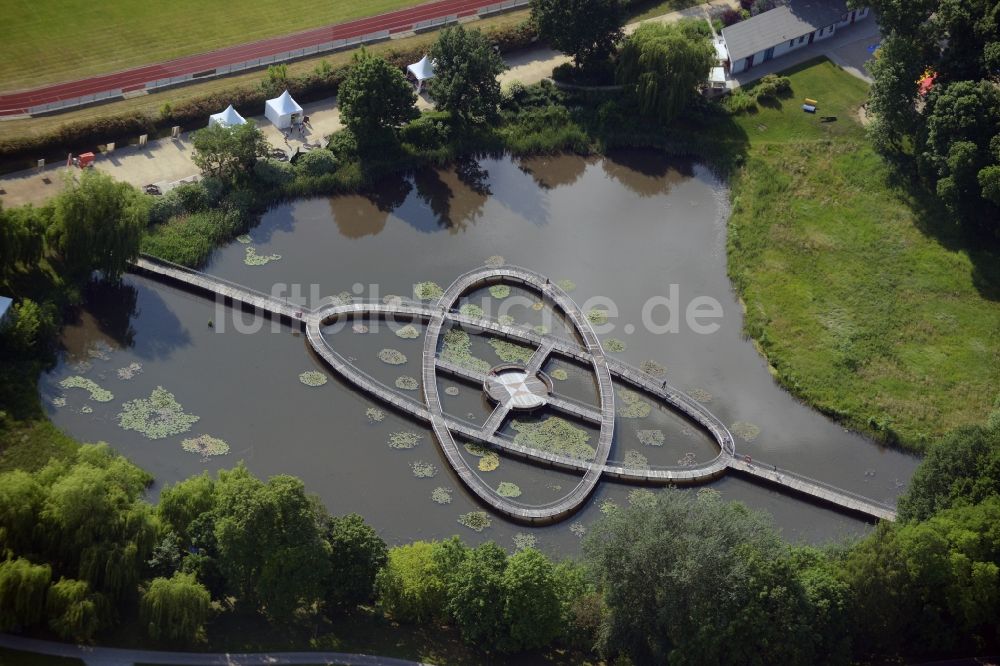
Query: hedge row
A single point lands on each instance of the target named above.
(88, 135)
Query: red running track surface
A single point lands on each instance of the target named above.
(135, 79)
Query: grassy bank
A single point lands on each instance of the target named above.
(865, 298)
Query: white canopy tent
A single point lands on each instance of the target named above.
(227, 118)
(421, 71)
(283, 111)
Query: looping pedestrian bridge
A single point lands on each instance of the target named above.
(513, 387)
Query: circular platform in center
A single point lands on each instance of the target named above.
(513, 387)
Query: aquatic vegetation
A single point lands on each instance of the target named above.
(205, 446)
(650, 437)
(554, 487)
(615, 345)
(688, 460)
(472, 310)
(555, 435)
(701, 395)
(488, 460)
(540, 329)
(566, 285)
(635, 460)
(407, 383)
(609, 507)
(313, 378)
(457, 349)
(745, 430)
(500, 291)
(635, 407)
(559, 374)
(537, 306)
(404, 440)
(508, 489)
(476, 449)
(441, 495)
(82, 366)
(578, 529)
(597, 317)
(495, 261)
(245, 239)
(392, 299)
(254, 259)
(129, 371)
(475, 520)
(375, 415)
(86, 409)
(651, 367)
(423, 470)
(642, 498)
(343, 298)
(100, 350)
(522, 541)
(97, 393)
(408, 332)
(506, 320)
(392, 356)
(511, 352)
(156, 417)
(427, 291)
(451, 390)
(59, 401)
(359, 328)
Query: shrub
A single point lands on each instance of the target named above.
(343, 145)
(316, 163)
(430, 130)
(740, 102)
(730, 16)
(772, 85)
(273, 173)
(189, 239)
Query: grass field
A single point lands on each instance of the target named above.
(63, 40)
(866, 300)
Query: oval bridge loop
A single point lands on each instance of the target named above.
(446, 427)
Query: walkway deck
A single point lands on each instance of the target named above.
(447, 427)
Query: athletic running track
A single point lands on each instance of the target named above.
(16, 103)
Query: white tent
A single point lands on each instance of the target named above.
(421, 71)
(283, 111)
(227, 118)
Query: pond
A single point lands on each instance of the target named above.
(637, 235)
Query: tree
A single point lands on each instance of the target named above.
(22, 592)
(697, 580)
(891, 98)
(31, 327)
(176, 609)
(928, 588)
(229, 152)
(663, 66)
(357, 555)
(21, 498)
(98, 224)
(183, 502)
(22, 234)
(962, 468)
(465, 74)
(476, 596)
(375, 98)
(74, 612)
(412, 587)
(270, 546)
(588, 30)
(532, 610)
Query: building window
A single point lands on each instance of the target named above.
(802, 39)
(821, 31)
(791, 43)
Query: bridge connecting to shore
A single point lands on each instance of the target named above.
(447, 427)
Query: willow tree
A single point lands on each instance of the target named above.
(663, 66)
(74, 611)
(98, 224)
(176, 609)
(22, 592)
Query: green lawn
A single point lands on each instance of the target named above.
(62, 40)
(866, 300)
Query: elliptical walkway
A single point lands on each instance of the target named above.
(444, 426)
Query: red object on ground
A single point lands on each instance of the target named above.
(15, 103)
(926, 83)
(85, 160)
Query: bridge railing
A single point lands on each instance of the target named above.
(822, 484)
